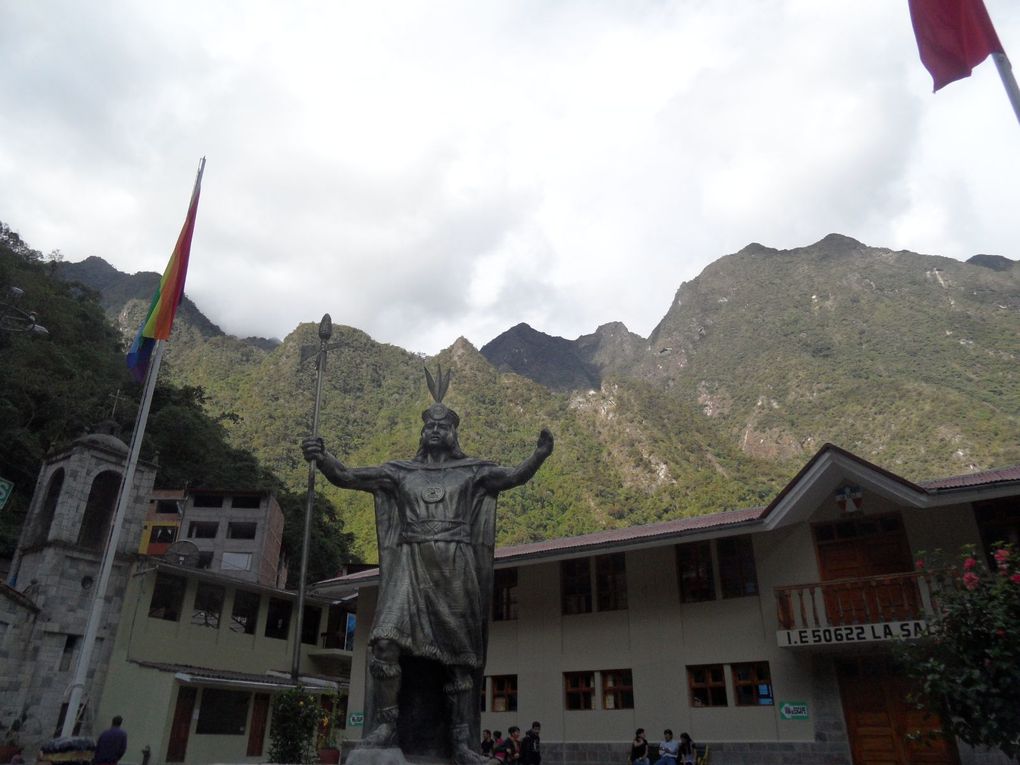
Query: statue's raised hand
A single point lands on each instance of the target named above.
(314, 449)
(545, 443)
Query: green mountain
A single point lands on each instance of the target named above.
(908, 360)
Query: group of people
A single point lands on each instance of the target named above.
(671, 751)
(513, 750)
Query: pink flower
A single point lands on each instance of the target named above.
(1001, 556)
(919, 564)
(1015, 579)
(1000, 632)
(968, 564)
(971, 580)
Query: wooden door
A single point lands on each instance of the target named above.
(864, 549)
(181, 725)
(879, 719)
(257, 731)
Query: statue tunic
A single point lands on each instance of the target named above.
(436, 529)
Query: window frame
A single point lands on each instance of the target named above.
(576, 596)
(504, 688)
(710, 685)
(611, 582)
(197, 529)
(278, 633)
(504, 595)
(698, 556)
(754, 683)
(738, 571)
(220, 701)
(250, 620)
(233, 527)
(177, 586)
(621, 691)
(579, 688)
(208, 605)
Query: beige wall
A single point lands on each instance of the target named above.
(657, 637)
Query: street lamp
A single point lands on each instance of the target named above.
(14, 319)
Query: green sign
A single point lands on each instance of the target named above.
(356, 719)
(6, 489)
(793, 710)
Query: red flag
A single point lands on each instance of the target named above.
(953, 36)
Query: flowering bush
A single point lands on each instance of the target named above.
(296, 717)
(968, 670)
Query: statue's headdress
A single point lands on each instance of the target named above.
(439, 411)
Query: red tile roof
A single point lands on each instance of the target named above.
(983, 478)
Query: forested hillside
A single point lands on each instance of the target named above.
(908, 360)
(54, 389)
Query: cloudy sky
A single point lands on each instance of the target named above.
(429, 170)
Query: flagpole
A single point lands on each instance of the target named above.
(77, 687)
(325, 331)
(1008, 81)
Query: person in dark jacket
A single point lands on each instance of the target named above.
(531, 751)
(111, 744)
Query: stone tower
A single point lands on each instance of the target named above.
(50, 591)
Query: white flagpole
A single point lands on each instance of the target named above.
(77, 687)
(1008, 81)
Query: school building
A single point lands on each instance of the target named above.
(766, 633)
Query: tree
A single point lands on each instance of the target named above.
(968, 669)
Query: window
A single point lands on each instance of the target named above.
(504, 598)
(167, 507)
(70, 643)
(167, 597)
(752, 684)
(736, 567)
(162, 534)
(579, 690)
(204, 559)
(253, 502)
(575, 581)
(222, 713)
(278, 619)
(232, 561)
(617, 689)
(504, 693)
(998, 523)
(207, 500)
(310, 625)
(694, 568)
(611, 581)
(246, 530)
(208, 605)
(102, 501)
(245, 612)
(203, 529)
(707, 685)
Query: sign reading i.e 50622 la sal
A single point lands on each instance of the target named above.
(853, 633)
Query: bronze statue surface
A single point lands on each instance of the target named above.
(436, 525)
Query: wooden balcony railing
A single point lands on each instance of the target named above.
(866, 600)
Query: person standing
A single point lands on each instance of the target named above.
(531, 751)
(111, 744)
(487, 742)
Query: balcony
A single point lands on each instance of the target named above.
(867, 609)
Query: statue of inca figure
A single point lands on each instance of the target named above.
(435, 520)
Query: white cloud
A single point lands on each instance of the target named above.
(429, 170)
